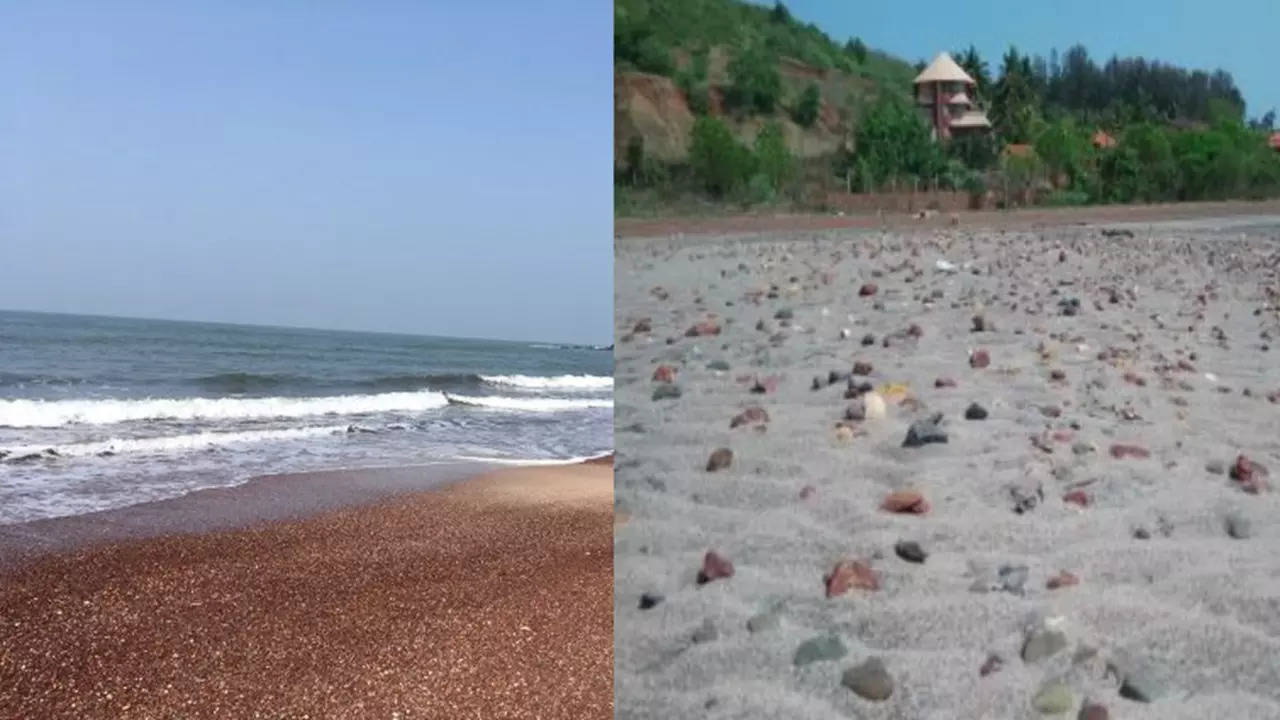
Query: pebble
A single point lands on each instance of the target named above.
(944, 382)
(862, 368)
(1077, 497)
(764, 622)
(993, 663)
(979, 359)
(706, 632)
(849, 574)
(923, 432)
(1141, 685)
(1012, 578)
(1093, 711)
(1054, 699)
(870, 680)
(1042, 643)
(910, 551)
(714, 567)
(975, 412)
(1238, 526)
(754, 415)
(868, 289)
(868, 339)
(648, 601)
(665, 373)
(720, 459)
(666, 391)
(1121, 451)
(820, 648)
(905, 501)
(718, 366)
(1061, 580)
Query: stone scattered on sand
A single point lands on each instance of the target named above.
(820, 648)
(1093, 711)
(643, 325)
(665, 373)
(910, 551)
(975, 412)
(1238, 525)
(905, 501)
(718, 366)
(1215, 467)
(1249, 475)
(648, 601)
(764, 622)
(1041, 643)
(979, 359)
(706, 327)
(868, 289)
(666, 391)
(980, 323)
(784, 314)
(944, 382)
(850, 574)
(862, 368)
(714, 567)
(873, 406)
(1054, 699)
(1077, 497)
(1140, 684)
(1013, 578)
(925, 431)
(706, 632)
(720, 459)
(992, 664)
(1061, 580)
(1025, 497)
(1121, 451)
(754, 415)
(807, 492)
(870, 680)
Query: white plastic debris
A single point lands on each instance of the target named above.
(946, 266)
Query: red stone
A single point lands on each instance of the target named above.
(1135, 379)
(1062, 436)
(1121, 451)
(905, 501)
(1061, 580)
(1093, 711)
(979, 359)
(850, 574)
(868, 290)
(1249, 474)
(751, 416)
(706, 327)
(665, 373)
(714, 567)
(720, 459)
(1078, 497)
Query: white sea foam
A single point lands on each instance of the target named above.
(530, 461)
(497, 402)
(558, 382)
(178, 443)
(56, 413)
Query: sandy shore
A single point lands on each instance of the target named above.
(1020, 219)
(487, 598)
(1087, 539)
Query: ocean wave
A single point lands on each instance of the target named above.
(532, 461)
(558, 382)
(497, 402)
(174, 443)
(56, 413)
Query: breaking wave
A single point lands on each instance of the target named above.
(559, 382)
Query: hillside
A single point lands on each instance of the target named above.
(673, 59)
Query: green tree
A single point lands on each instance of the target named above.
(772, 158)
(857, 49)
(973, 64)
(754, 80)
(806, 109)
(894, 141)
(780, 14)
(719, 161)
(1065, 148)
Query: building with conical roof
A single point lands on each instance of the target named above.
(942, 94)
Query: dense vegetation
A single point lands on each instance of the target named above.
(1177, 134)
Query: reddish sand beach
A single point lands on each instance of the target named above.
(487, 598)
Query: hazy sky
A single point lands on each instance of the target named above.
(1236, 35)
(431, 167)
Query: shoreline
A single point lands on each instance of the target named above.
(747, 224)
(438, 591)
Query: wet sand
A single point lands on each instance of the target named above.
(1090, 534)
(485, 598)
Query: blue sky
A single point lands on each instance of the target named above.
(1236, 35)
(429, 167)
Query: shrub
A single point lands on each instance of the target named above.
(719, 161)
(806, 110)
(858, 50)
(754, 81)
(773, 160)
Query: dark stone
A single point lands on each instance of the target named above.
(923, 432)
(648, 601)
(910, 551)
(975, 412)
